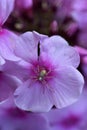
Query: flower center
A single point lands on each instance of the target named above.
(42, 72)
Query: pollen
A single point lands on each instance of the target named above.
(42, 74)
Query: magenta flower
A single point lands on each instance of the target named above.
(52, 76)
(24, 4)
(83, 54)
(61, 8)
(12, 118)
(79, 15)
(7, 38)
(71, 117)
(83, 64)
(6, 7)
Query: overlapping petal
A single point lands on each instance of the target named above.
(53, 43)
(68, 85)
(6, 7)
(19, 69)
(2, 61)
(60, 52)
(32, 97)
(8, 40)
(29, 47)
(67, 56)
(8, 84)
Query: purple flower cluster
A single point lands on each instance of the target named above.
(39, 69)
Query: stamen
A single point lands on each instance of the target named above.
(40, 78)
(42, 74)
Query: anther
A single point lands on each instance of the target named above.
(42, 75)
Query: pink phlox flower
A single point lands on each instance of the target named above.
(79, 13)
(7, 38)
(83, 64)
(12, 118)
(6, 7)
(70, 118)
(53, 79)
(83, 54)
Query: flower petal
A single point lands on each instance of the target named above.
(31, 97)
(2, 61)
(54, 43)
(27, 48)
(20, 71)
(7, 45)
(63, 56)
(82, 51)
(67, 85)
(60, 52)
(6, 7)
(30, 44)
(7, 86)
(39, 37)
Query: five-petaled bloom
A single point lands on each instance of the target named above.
(52, 78)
